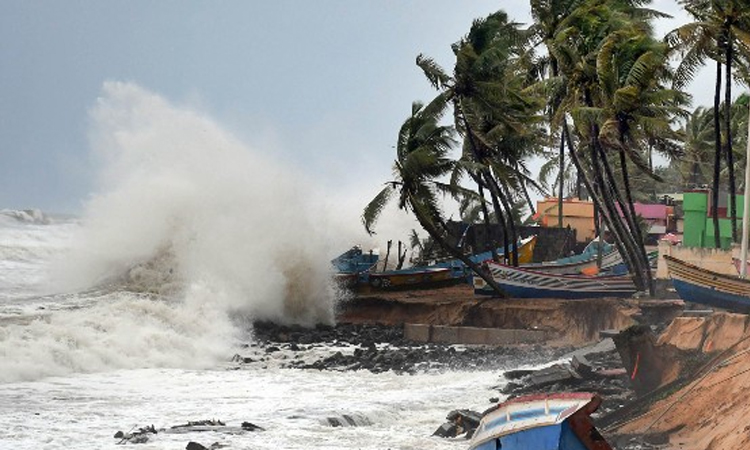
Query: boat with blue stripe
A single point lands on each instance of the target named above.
(541, 422)
(521, 283)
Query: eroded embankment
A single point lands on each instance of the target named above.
(566, 321)
(708, 410)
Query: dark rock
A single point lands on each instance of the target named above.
(249, 426)
(272, 349)
(119, 435)
(348, 420)
(195, 446)
(465, 418)
(553, 374)
(582, 366)
(517, 374)
(446, 430)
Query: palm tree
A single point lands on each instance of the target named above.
(548, 15)
(492, 111)
(698, 134)
(721, 32)
(422, 158)
(614, 96)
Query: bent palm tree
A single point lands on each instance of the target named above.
(421, 159)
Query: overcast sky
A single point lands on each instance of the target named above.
(322, 85)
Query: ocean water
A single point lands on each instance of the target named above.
(77, 367)
(128, 314)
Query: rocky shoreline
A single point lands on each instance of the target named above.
(380, 348)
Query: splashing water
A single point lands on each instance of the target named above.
(173, 179)
(190, 234)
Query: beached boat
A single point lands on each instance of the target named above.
(583, 263)
(522, 283)
(355, 261)
(413, 277)
(525, 254)
(698, 285)
(440, 274)
(541, 422)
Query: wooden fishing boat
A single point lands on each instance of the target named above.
(698, 285)
(543, 421)
(525, 254)
(410, 278)
(574, 268)
(522, 283)
(582, 263)
(437, 275)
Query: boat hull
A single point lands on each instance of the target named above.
(416, 278)
(520, 283)
(698, 285)
(550, 422)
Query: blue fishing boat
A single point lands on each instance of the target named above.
(541, 422)
(355, 260)
(351, 264)
(521, 283)
(699, 285)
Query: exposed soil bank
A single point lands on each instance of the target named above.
(569, 322)
(708, 408)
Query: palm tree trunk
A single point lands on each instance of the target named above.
(637, 229)
(499, 213)
(611, 197)
(432, 230)
(595, 197)
(486, 215)
(401, 256)
(728, 130)
(487, 178)
(526, 194)
(561, 181)
(717, 158)
(511, 223)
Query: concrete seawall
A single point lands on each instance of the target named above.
(471, 335)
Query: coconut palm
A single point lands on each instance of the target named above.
(613, 68)
(721, 32)
(492, 111)
(548, 15)
(698, 132)
(422, 158)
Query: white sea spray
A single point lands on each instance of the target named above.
(189, 235)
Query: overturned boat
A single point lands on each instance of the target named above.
(541, 422)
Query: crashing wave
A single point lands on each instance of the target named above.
(34, 216)
(157, 275)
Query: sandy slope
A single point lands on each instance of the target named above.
(713, 411)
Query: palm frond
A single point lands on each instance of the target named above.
(373, 209)
(434, 73)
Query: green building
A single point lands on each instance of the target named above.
(699, 225)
